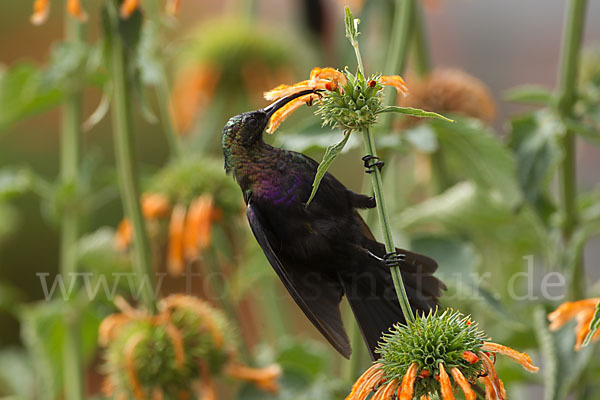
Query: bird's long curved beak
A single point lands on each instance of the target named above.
(270, 109)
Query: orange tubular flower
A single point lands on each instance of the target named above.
(173, 6)
(407, 387)
(264, 378)
(128, 7)
(124, 235)
(41, 9)
(155, 205)
(521, 358)
(445, 385)
(175, 257)
(460, 379)
(583, 311)
(74, 8)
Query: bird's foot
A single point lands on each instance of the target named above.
(369, 164)
(393, 259)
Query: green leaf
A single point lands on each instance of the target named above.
(475, 152)
(16, 374)
(414, 112)
(529, 94)
(22, 93)
(330, 154)
(594, 326)
(534, 140)
(351, 25)
(14, 183)
(458, 260)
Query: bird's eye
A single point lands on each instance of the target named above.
(252, 122)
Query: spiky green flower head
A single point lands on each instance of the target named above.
(449, 338)
(353, 105)
(167, 353)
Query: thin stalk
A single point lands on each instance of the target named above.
(396, 60)
(163, 90)
(421, 49)
(567, 81)
(385, 226)
(398, 50)
(124, 153)
(70, 148)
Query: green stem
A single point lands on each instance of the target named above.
(422, 52)
(385, 226)
(128, 180)
(567, 81)
(398, 51)
(70, 148)
(162, 88)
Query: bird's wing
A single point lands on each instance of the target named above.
(317, 294)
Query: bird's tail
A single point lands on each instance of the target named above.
(373, 299)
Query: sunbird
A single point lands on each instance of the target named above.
(323, 250)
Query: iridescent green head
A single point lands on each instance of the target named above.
(246, 129)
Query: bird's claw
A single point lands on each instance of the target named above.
(393, 259)
(369, 165)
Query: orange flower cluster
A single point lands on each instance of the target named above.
(374, 380)
(190, 228)
(113, 326)
(329, 79)
(583, 311)
(320, 78)
(41, 9)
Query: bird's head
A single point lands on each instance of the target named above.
(247, 128)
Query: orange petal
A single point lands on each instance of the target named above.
(286, 90)
(568, 310)
(492, 375)
(445, 385)
(175, 259)
(280, 115)
(110, 326)
(177, 341)
(360, 382)
(41, 9)
(155, 205)
(193, 89)
(264, 378)
(521, 358)
(470, 357)
(425, 397)
(173, 6)
(460, 379)
(74, 8)
(124, 235)
(128, 7)
(408, 383)
(395, 81)
(389, 389)
(327, 73)
(130, 367)
(583, 327)
(371, 384)
(490, 392)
